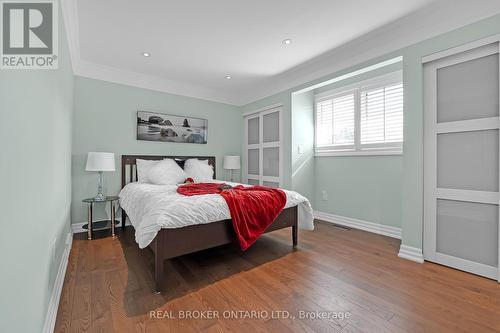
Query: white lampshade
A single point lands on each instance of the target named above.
(100, 162)
(232, 162)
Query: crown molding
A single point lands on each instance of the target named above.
(416, 27)
(69, 10)
(151, 82)
(406, 31)
(116, 75)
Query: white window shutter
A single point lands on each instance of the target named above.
(365, 118)
(382, 114)
(324, 121)
(343, 120)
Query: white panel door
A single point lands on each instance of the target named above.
(461, 167)
(262, 148)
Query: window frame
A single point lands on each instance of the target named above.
(367, 149)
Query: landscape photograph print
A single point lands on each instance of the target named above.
(153, 126)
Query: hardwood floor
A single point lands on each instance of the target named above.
(109, 288)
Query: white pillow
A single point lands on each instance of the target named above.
(200, 171)
(143, 167)
(166, 172)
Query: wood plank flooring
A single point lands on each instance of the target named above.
(109, 288)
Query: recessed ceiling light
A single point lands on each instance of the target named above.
(228, 77)
(287, 41)
(146, 54)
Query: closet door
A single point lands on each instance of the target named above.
(263, 156)
(461, 171)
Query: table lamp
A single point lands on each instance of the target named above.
(232, 163)
(100, 162)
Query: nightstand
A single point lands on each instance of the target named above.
(101, 225)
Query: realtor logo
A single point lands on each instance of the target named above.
(29, 35)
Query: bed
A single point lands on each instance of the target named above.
(173, 239)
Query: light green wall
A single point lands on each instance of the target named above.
(36, 109)
(362, 187)
(379, 176)
(105, 120)
(368, 188)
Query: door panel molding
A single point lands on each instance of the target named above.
(263, 145)
(467, 265)
(432, 129)
(467, 195)
(480, 124)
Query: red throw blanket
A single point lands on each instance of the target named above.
(252, 209)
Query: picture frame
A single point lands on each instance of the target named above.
(163, 127)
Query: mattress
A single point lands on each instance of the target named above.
(154, 207)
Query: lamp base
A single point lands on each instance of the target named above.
(100, 197)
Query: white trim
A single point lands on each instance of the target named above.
(55, 296)
(465, 56)
(498, 257)
(265, 108)
(274, 144)
(411, 253)
(479, 124)
(461, 48)
(261, 148)
(430, 156)
(467, 265)
(371, 83)
(363, 70)
(363, 152)
(69, 10)
(468, 195)
(78, 226)
(271, 179)
(372, 227)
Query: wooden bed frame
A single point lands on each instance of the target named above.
(170, 243)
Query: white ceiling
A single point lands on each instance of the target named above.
(195, 44)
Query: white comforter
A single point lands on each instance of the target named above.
(153, 207)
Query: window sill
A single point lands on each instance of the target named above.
(366, 152)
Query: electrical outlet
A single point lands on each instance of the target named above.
(324, 195)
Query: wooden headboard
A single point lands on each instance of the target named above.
(129, 167)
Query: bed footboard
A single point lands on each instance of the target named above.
(171, 243)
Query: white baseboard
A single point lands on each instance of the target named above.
(78, 227)
(55, 296)
(375, 228)
(411, 253)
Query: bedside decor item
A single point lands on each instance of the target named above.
(100, 162)
(101, 225)
(232, 163)
(153, 126)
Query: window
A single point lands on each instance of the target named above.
(361, 119)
